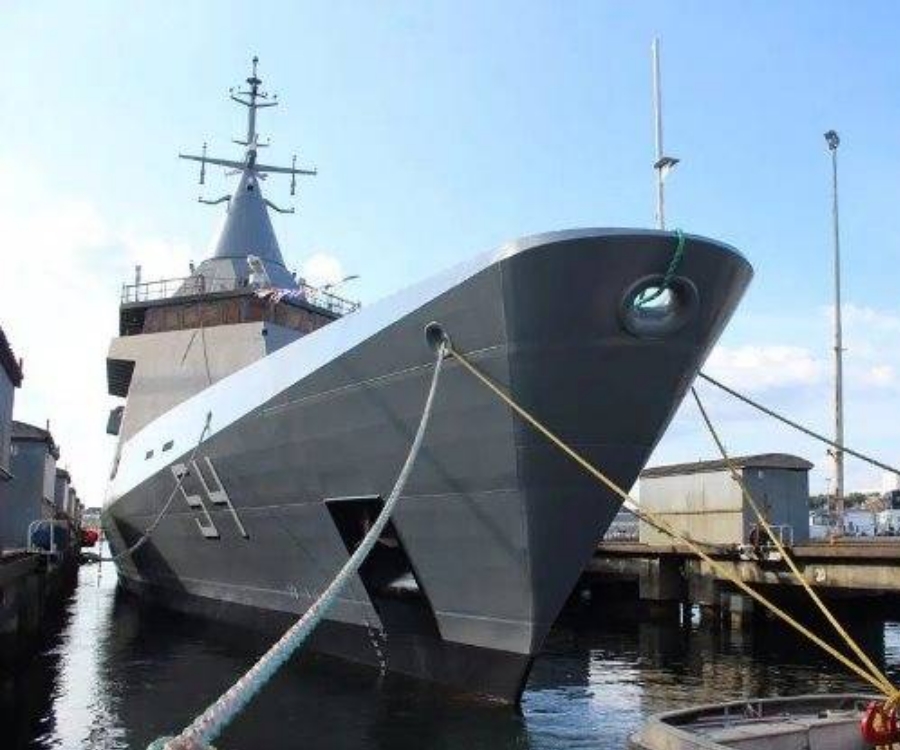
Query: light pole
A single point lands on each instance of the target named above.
(663, 164)
(833, 141)
(333, 284)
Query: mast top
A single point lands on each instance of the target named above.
(248, 229)
(252, 104)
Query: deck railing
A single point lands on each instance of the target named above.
(190, 286)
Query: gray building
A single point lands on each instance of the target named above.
(29, 496)
(704, 500)
(10, 379)
(61, 491)
(71, 501)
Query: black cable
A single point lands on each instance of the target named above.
(800, 427)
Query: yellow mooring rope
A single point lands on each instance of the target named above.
(888, 688)
(876, 679)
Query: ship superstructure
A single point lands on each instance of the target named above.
(279, 417)
(240, 304)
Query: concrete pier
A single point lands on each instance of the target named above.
(673, 574)
(32, 587)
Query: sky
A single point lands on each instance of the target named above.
(443, 129)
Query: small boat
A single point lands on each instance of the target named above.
(811, 722)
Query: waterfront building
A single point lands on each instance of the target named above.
(71, 501)
(30, 495)
(61, 491)
(890, 482)
(10, 379)
(703, 500)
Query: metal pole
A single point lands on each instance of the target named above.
(833, 142)
(657, 112)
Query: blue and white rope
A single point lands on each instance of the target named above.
(206, 727)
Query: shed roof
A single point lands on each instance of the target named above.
(8, 360)
(756, 461)
(24, 432)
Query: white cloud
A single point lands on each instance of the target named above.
(791, 371)
(322, 268)
(759, 367)
(159, 257)
(59, 306)
(868, 318)
(880, 375)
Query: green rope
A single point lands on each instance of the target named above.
(644, 298)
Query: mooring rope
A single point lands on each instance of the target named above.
(669, 275)
(839, 629)
(791, 423)
(661, 523)
(373, 631)
(208, 725)
(148, 532)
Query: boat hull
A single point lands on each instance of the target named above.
(483, 674)
(495, 524)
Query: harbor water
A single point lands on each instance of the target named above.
(116, 674)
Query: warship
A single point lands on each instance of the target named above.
(278, 414)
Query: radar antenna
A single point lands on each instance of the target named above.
(253, 99)
(252, 105)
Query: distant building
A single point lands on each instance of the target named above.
(623, 528)
(860, 522)
(703, 499)
(30, 494)
(71, 501)
(91, 517)
(889, 482)
(61, 491)
(10, 379)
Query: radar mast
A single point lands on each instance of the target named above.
(253, 99)
(247, 230)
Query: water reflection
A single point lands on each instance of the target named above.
(601, 675)
(119, 675)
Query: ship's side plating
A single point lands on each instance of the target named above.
(495, 525)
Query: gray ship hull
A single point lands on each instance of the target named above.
(495, 525)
